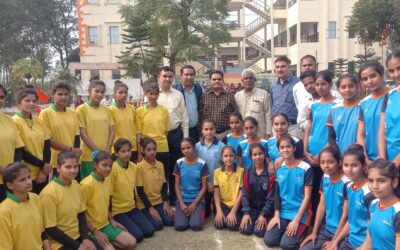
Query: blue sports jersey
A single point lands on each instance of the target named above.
(319, 112)
(359, 199)
(273, 151)
(344, 120)
(211, 154)
(233, 141)
(370, 114)
(291, 183)
(191, 176)
(392, 118)
(384, 225)
(334, 197)
(244, 151)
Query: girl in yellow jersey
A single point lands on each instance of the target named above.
(228, 181)
(152, 187)
(124, 207)
(96, 190)
(35, 137)
(61, 123)
(11, 142)
(21, 218)
(96, 126)
(124, 116)
(64, 210)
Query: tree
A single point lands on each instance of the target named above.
(376, 21)
(174, 30)
(363, 58)
(27, 69)
(73, 81)
(340, 66)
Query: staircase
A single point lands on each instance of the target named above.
(251, 39)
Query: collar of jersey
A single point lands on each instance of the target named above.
(122, 165)
(19, 114)
(11, 196)
(215, 141)
(53, 107)
(95, 176)
(119, 106)
(58, 181)
(146, 106)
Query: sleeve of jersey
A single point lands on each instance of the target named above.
(110, 118)
(138, 117)
(268, 208)
(177, 170)
(277, 198)
(361, 115)
(239, 151)
(43, 116)
(345, 192)
(384, 104)
(204, 171)
(215, 181)
(329, 122)
(49, 208)
(368, 199)
(321, 186)
(81, 117)
(85, 192)
(396, 224)
(308, 178)
(245, 194)
(6, 241)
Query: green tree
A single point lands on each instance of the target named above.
(175, 30)
(26, 70)
(73, 81)
(340, 66)
(360, 59)
(376, 21)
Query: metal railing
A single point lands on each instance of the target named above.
(256, 25)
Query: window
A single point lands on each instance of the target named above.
(332, 29)
(116, 74)
(331, 66)
(114, 34)
(309, 32)
(293, 35)
(292, 2)
(94, 35)
(94, 72)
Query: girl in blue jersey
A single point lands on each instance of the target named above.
(237, 135)
(359, 198)
(292, 199)
(257, 194)
(191, 174)
(250, 125)
(384, 223)
(316, 134)
(209, 149)
(228, 181)
(389, 129)
(280, 124)
(371, 75)
(343, 117)
(332, 203)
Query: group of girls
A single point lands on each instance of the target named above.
(251, 184)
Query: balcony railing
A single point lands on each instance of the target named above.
(309, 38)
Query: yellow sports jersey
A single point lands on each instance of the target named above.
(61, 126)
(124, 123)
(229, 185)
(96, 196)
(97, 122)
(123, 180)
(151, 178)
(154, 123)
(10, 139)
(61, 205)
(33, 133)
(21, 223)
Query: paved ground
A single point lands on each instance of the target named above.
(209, 238)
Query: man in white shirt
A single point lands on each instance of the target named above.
(173, 100)
(252, 101)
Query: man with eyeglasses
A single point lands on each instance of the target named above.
(252, 101)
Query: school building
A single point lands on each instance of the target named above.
(296, 27)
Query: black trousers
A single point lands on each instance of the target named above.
(174, 143)
(194, 134)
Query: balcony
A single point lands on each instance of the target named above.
(237, 34)
(309, 32)
(235, 5)
(279, 5)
